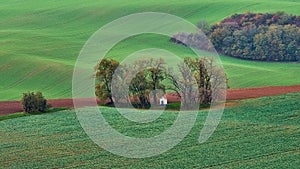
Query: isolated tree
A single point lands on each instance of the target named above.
(34, 102)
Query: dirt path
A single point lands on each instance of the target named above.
(8, 107)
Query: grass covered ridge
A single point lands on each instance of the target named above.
(40, 41)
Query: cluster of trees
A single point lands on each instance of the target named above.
(265, 37)
(265, 19)
(193, 81)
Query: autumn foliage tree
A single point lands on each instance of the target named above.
(104, 74)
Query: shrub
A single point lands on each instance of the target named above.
(34, 102)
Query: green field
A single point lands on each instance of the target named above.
(40, 41)
(259, 133)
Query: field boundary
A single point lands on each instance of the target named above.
(9, 107)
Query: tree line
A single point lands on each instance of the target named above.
(193, 81)
(264, 37)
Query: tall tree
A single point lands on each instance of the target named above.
(157, 75)
(208, 75)
(104, 74)
(184, 85)
(202, 77)
(140, 89)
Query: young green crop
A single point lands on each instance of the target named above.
(40, 41)
(259, 133)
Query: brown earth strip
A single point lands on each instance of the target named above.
(9, 107)
(246, 93)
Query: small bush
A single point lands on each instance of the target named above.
(34, 102)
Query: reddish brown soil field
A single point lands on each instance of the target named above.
(246, 93)
(8, 107)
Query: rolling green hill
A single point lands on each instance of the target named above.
(40, 41)
(259, 133)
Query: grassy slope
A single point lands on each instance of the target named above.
(260, 133)
(39, 41)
